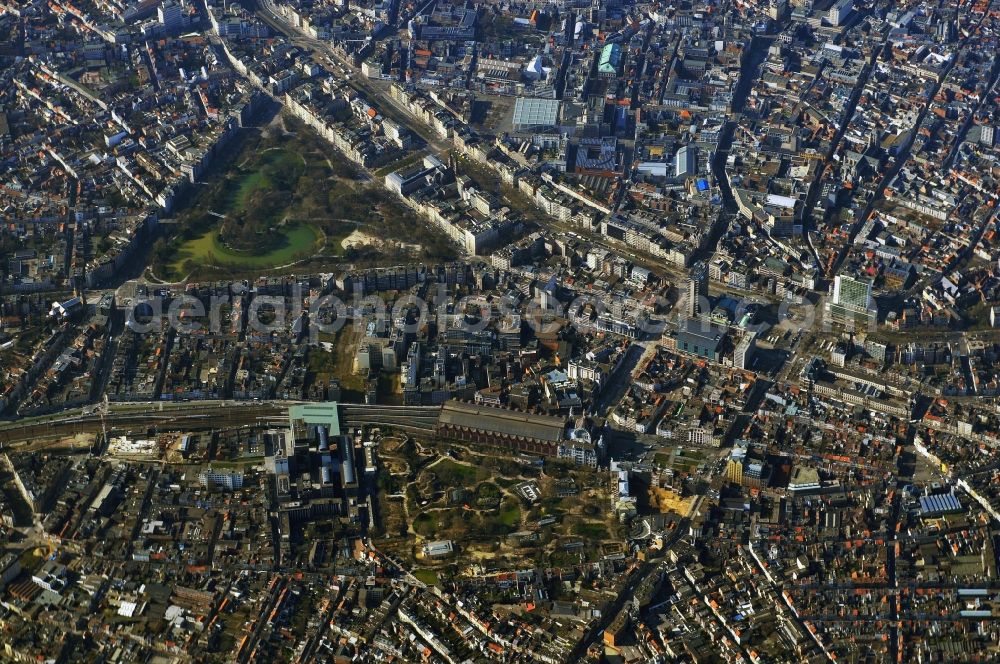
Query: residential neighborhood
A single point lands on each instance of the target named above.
(452, 332)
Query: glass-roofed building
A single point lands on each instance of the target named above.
(533, 114)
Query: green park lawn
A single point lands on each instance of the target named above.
(300, 240)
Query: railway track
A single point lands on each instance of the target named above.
(209, 415)
(420, 419)
(136, 422)
(404, 423)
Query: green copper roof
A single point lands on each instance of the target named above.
(611, 57)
